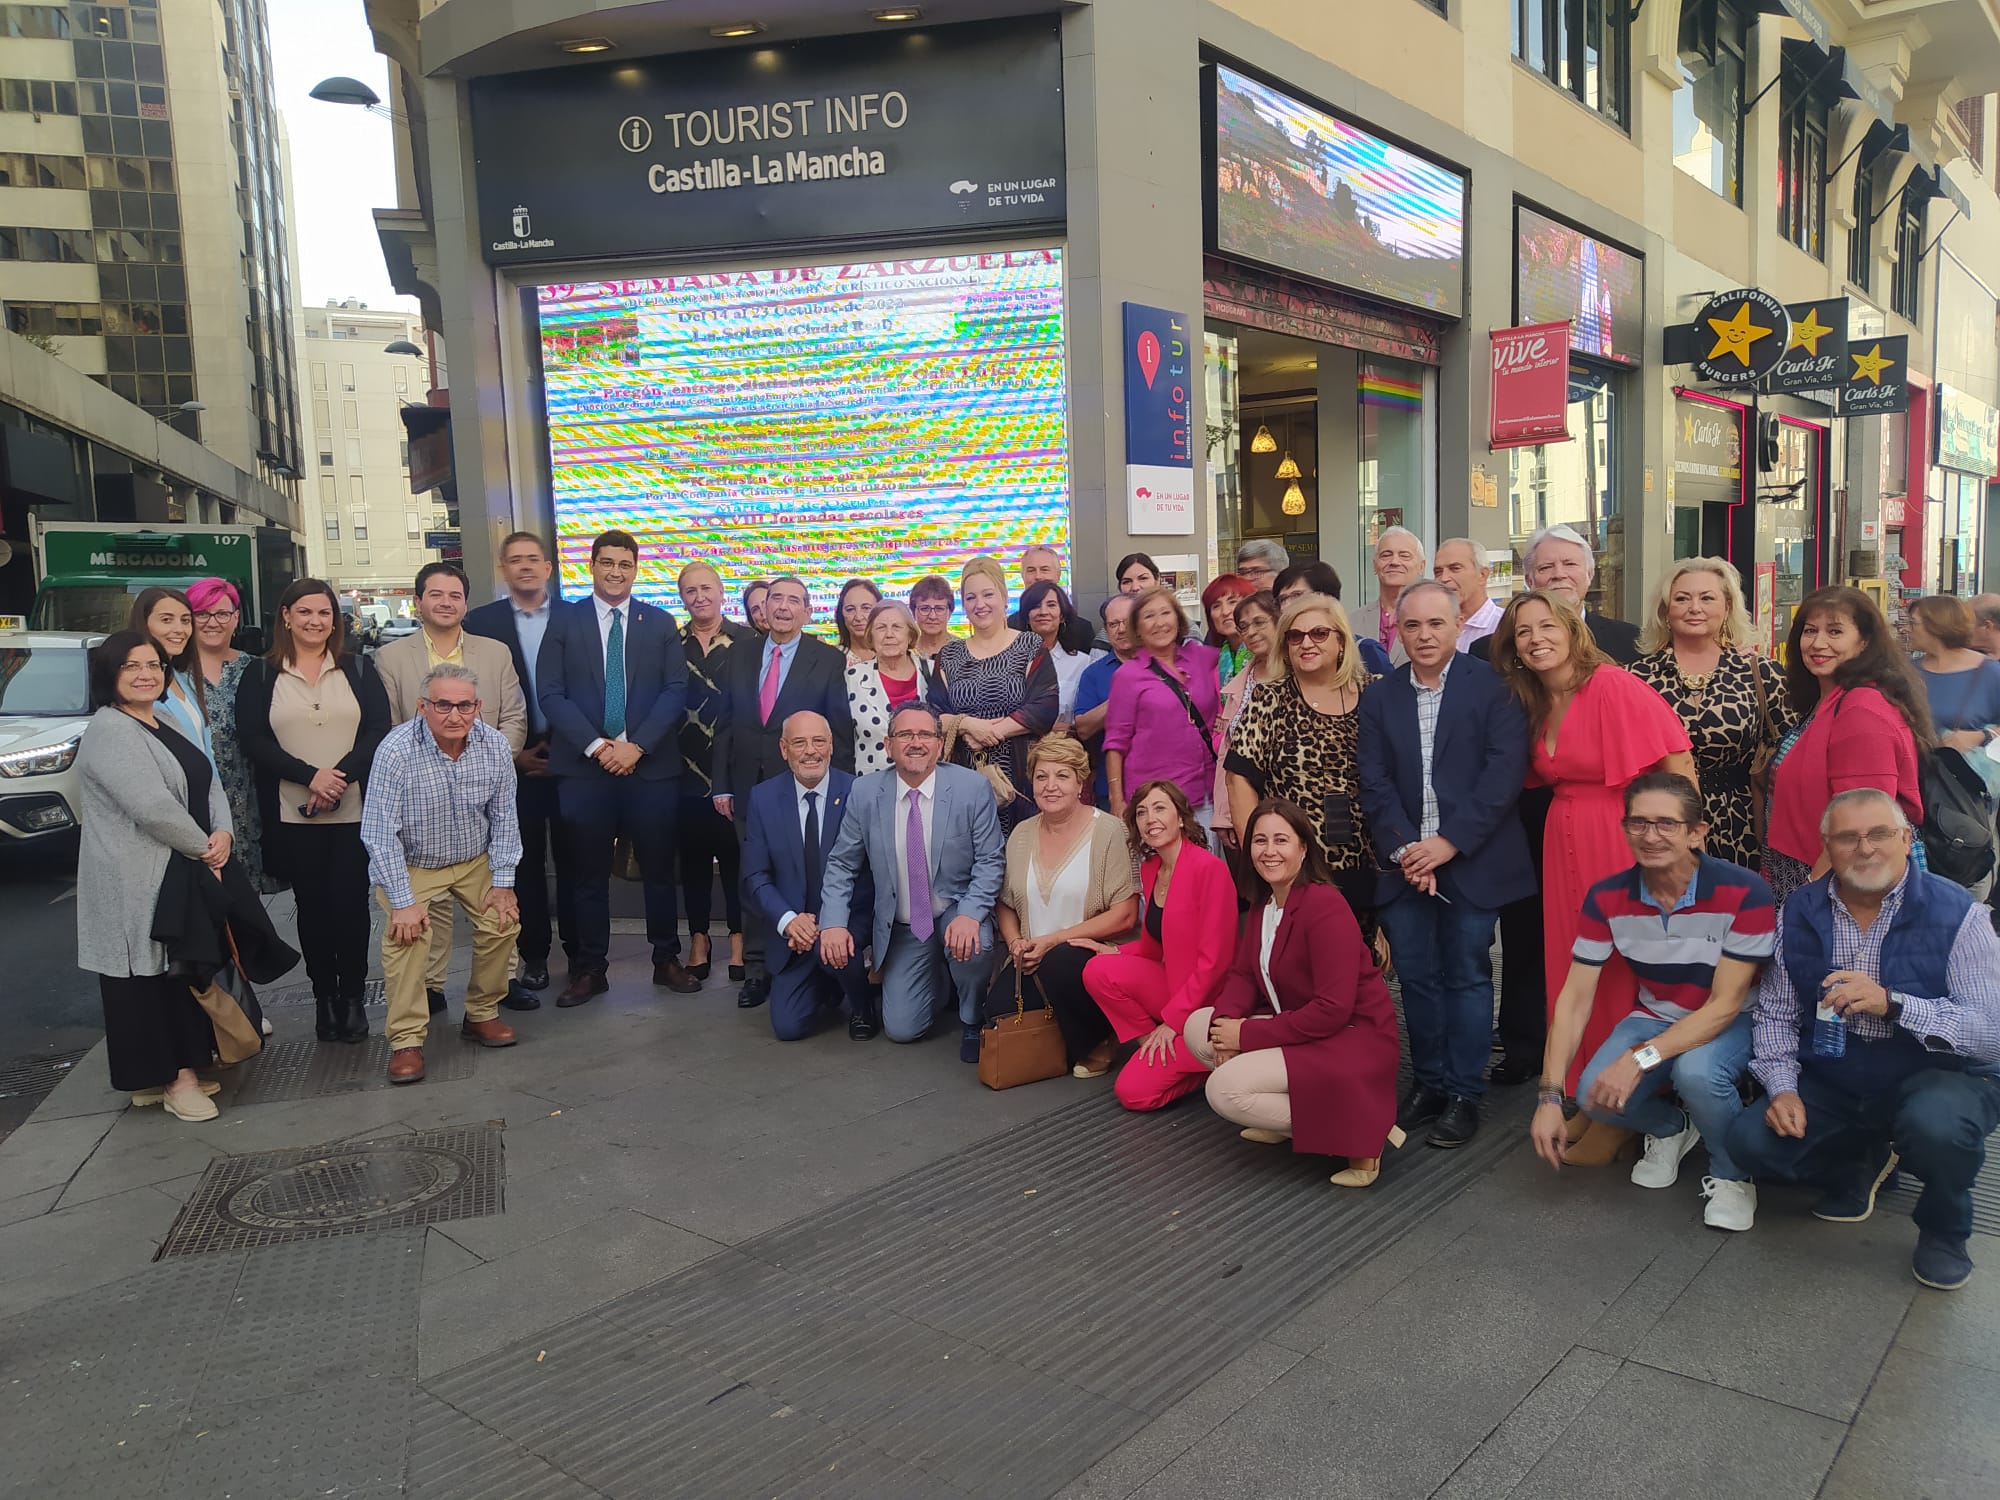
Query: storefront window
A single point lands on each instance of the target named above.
(1572, 483)
(1220, 375)
(1959, 538)
(1394, 457)
(1708, 109)
(1803, 110)
(1787, 501)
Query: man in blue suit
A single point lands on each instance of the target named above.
(613, 686)
(1444, 748)
(795, 820)
(929, 836)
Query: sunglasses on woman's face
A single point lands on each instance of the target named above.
(1318, 635)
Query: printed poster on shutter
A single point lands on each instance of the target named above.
(1530, 398)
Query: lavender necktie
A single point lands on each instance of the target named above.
(922, 923)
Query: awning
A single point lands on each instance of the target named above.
(1845, 75)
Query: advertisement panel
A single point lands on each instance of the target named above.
(1159, 459)
(883, 418)
(1708, 451)
(1562, 274)
(1530, 392)
(1968, 434)
(1301, 190)
(935, 131)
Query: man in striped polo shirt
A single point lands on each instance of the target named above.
(1695, 931)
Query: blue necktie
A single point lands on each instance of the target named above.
(614, 677)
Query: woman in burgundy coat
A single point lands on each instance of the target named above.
(1302, 1037)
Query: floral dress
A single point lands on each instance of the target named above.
(238, 782)
(1018, 681)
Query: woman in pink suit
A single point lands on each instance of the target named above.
(1149, 987)
(1592, 728)
(1303, 1035)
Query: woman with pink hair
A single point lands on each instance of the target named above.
(218, 612)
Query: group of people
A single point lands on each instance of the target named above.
(1202, 840)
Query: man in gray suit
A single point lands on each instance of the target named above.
(929, 837)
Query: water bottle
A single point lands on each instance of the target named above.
(1829, 1033)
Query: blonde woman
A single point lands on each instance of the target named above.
(1299, 739)
(998, 689)
(887, 678)
(1697, 656)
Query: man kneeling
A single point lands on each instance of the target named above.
(1695, 930)
(1878, 1032)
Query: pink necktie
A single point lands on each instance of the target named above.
(922, 921)
(767, 695)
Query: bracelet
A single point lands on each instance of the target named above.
(1549, 1096)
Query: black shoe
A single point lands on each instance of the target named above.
(1512, 1070)
(436, 998)
(753, 994)
(533, 977)
(968, 1044)
(1420, 1106)
(520, 997)
(863, 1025)
(327, 1019)
(1854, 1203)
(1458, 1124)
(353, 1014)
(583, 987)
(737, 972)
(669, 974)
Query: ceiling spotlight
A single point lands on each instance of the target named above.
(736, 29)
(899, 13)
(587, 44)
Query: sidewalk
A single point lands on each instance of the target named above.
(698, 1262)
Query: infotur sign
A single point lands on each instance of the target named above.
(945, 130)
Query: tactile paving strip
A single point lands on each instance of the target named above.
(374, 993)
(313, 1069)
(988, 1325)
(343, 1187)
(1985, 1195)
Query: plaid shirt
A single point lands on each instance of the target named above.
(425, 810)
(1429, 702)
(1966, 1021)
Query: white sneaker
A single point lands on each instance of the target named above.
(1731, 1205)
(1660, 1167)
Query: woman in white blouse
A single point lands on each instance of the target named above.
(1049, 614)
(1070, 890)
(888, 678)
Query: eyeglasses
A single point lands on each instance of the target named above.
(463, 710)
(1317, 635)
(1848, 842)
(914, 734)
(140, 666)
(1665, 828)
(213, 616)
(934, 607)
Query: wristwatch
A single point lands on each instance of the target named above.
(1648, 1058)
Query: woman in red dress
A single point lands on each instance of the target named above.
(1595, 726)
(1302, 1036)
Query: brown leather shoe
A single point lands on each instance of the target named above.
(406, 1065)
(582, 988)
(493, 1033)
(671, 974)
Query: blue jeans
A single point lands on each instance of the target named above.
(1440, 949)
(1704, 1077)
(1937, 1118)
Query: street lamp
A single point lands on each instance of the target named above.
(402, 346)
(339, 90)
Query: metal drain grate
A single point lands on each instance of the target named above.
(35, 1077)
(373, 993)
(1985, 1196)
(347, 1187)
(284, 1071)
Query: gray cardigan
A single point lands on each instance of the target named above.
(133, 799)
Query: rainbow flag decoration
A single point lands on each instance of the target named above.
(1385, 390)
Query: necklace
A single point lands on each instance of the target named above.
(1694, 685)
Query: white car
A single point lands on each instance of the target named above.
(44, 708)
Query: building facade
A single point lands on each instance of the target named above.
(364, 529)
(812, 292)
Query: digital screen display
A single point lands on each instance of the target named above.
(1298, 189)
(1563, 274)
(876, 419)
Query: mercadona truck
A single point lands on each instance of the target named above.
(88, 572)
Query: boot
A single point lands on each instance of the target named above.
(327, 1019)
(353, 1020)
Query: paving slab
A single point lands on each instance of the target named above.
(142, 1148)
(1963, 1325)
(72, 1249)
(1514, 1447)
(48, 1153)
(1926, 1432)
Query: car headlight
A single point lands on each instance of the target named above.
(43, 760)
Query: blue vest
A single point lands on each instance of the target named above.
(1916, 954)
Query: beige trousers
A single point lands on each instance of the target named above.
(1251, 1088)
(404, 967)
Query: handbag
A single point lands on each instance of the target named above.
(1026, 1047)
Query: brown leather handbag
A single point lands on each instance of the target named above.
(1025, 1047)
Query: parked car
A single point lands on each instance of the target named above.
(44, 708)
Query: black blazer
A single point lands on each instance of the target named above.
(569, 681)
(1617, 639)
(495, 621)
(1079, 634)
(272, 763)
(746, 749)
(1479, 758)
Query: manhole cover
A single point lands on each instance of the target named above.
(346, 1187)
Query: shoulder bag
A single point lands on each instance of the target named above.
(1762, 757)
(1180, 691)
(1025, 1047)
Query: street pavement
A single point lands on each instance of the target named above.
(650, 1251)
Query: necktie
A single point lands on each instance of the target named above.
(812, 852)
(767, 695)
(614, 677)
(922, 922)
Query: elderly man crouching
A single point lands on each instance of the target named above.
(1878, 1033)
(439, 820)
